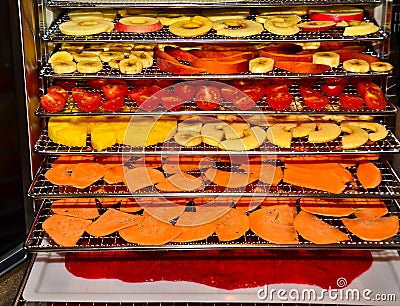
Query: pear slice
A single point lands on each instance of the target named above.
(379, 131)
(325, 132)
(356, 138)
(280, 134)
(303, 129)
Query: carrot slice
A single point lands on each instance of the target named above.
(319, 180)
(85, 174)
(150, 231)
(59, 175)
(317, 231)
(369, 208)
(232, 225)
(206, 213)
(114, 174)
(161, 208)
(369, 175)
(129, 205)
(376, 229)
(196, 233)
(180, 182)
(274, 224)
(111, 221)
(327, 207)
(176, 164)
(65, 230)
(229, 179)
(141, 177)
(76, 207)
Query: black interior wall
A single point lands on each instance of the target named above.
(12, 220)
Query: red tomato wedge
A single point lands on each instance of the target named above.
(313, 99)
(349, 101)
(255, 92)
(171, 102)
(89, 102)
(58, 90)
(78, 93)
(112, 91)
(363, 85)
(208, 97)
(375, 99)
(185, 91)
(279, 100)
(97, 83)
(332, 90)
(53, 102)
(113, 104)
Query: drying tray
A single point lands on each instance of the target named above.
(300, 146)
(39, 241)
(190, 107)
(195, 3)
(389, 188)
(163, 35)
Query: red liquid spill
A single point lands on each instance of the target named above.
(223, 269)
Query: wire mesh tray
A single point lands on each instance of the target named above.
(190, 108)
(190, 3)
(41, 188)
(300, 146)
(54, 34)
(39, 241)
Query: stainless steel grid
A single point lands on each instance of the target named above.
(39, 241)
(190, 108)
(25, 303)
(300, 146)
(54, 35)
(196, 3)
(389, 188)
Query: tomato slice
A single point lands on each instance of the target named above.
(317, 101)
(58, 90)
(114, 104)
(350, 101)
(363, 85)
(306, 91)
(78, 93)
(97, 83)
(66, 84)
(208, 97)
(279, 100)
(89, 102)
(53, 102)
(336, 81)
(255, 92)
(239, 83)
(140, 94)
(171, 101)
(185, 91)
(332, 90)
(151, 103)
(374, 98)
(163, 83)
(230, 93)
(112, 90)
(270, 89)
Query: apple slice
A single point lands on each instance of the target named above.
(138, 24)
(316, 26)
(336, 13)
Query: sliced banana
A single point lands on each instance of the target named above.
(280, 134)
(237, 27)
(356, 137)
(145, 57)
(89, 67)
(379, 131)
(381, 66)
(86, 27)
(282, 24)
(188, 138)
(261, 65)
(107, 56)
(130, 66)
(303, 129)
(212, 133)
(364, 28)
(325, 132)
(61, 56)
(63, 67)
(331, 59)
(356, 65)
(86, 57)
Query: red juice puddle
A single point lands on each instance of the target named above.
(233, 269)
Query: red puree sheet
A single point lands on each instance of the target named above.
(224, 269)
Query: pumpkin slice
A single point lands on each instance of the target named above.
(376, 229)
(369, 175)
(229, 179)
(327, 207)
(196, 233)
(141, 177)
(274, 224)
(162, 209)
(232, 225)
(317, 231)
(85, 174)
(76, 207)
(150, 231)
(369, 208)
(65, 230)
